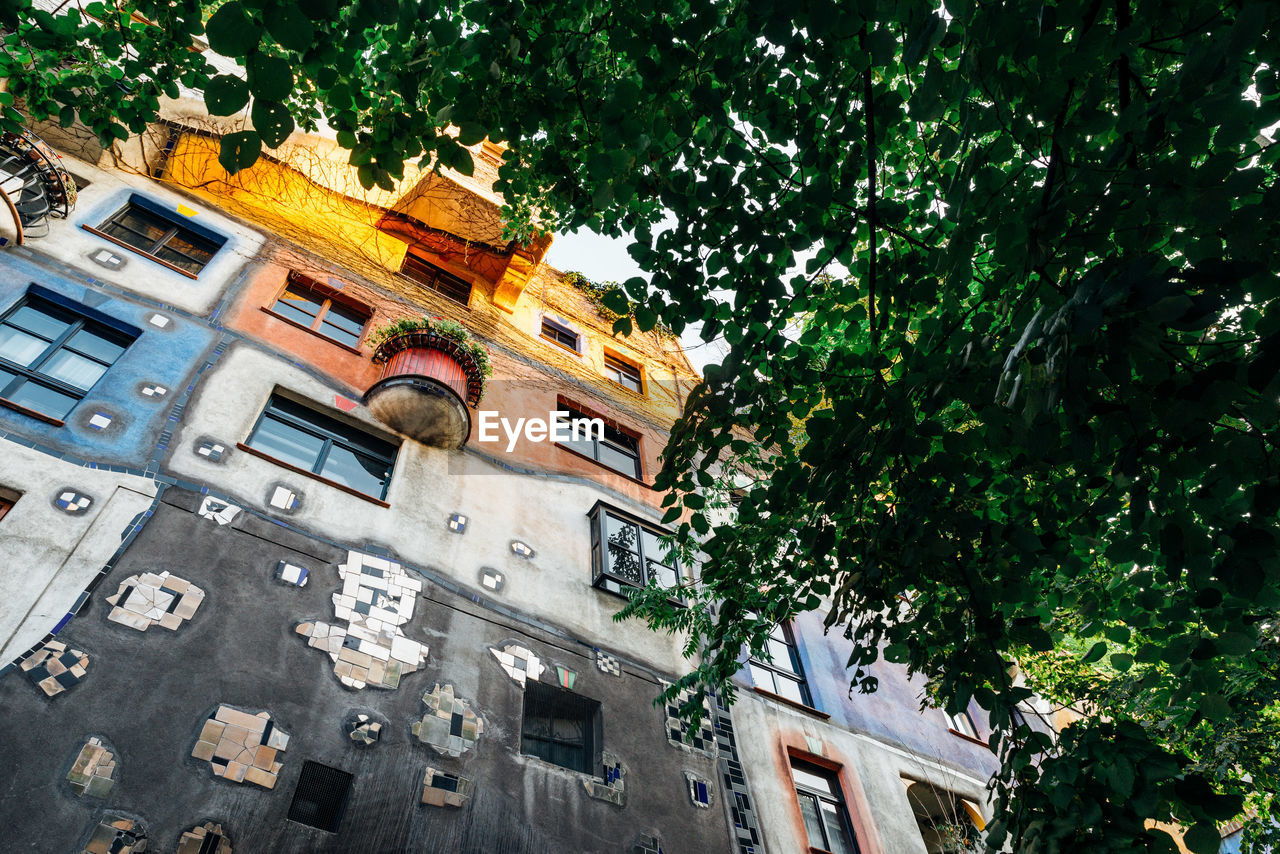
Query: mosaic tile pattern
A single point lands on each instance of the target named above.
(212, 450)
(93, 769)
(159, 321)
(54, 668)
(491, 579)
(442, 789)
(219, 511)
(107, 258)
(207, 838)
(565, 677)
(291, 574)
(746, 826)
(154, 390)
(364, 730)
(283, 498)
(241, 747)
(377, 597)
(100, 421)
(74, 503)
(148, 599)
(613, 787)
(520, 549)
(117, 834)
(518, 662)
(449, 725)
(699, 789)
(607, 663)
(458, 523)
(678, 729)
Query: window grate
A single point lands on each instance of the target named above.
(431, 276)
(320, 797)
(561, 727)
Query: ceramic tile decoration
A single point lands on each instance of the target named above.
(566, 677)
(607, 663)
(207, 838)
(520, 549)
(699, 789)
(284, 498)
(148, 599)
(117, 834)
(153, 390)
(218, 510)
(108, 259)
(364, 730)
(737, 794)
(613, 788)
(53, 668)
(241, 747)
(491, 579)
(92, 771)
(377, 597)
(449, 724)
(73, 502)
(290, 574)
(442, 789)
(159, 321)
(518, 662)
(646, 844)
(458, 523)
(703, 740)
(100, 421)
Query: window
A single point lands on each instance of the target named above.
(292, 434)
(962, 722)
(623, 373)
(150, 230)
(431, 276)
(561, 727)
(781, 672)
(615, 449)
(50, 356)
(626, 552)
(825, 819)
(320, 798)
(304, 303)
(5, 506)
(948, 823)
(557, 334)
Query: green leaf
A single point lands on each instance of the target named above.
(1095, 652)
(645, 318)
(226, 95)
(270, 77)
(272, 121)
(1121, 661)
(1203, 838)
(616, 301)
(231, 30)
(239, 150)
(290, 27)
(622, 326)
(1215, 707)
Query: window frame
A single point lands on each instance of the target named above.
(619, 364)
(575, 413)
(556, 701)
(438, 276)
(304, 284)
(602, 573)
(330, 438)
(78, 319)
(777, 671)
(835, 797)
(560, 329)
(175, 227)
(963, 724)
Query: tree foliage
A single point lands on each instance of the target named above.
(1033, 244)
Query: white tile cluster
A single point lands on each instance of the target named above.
(290, 574)
(217, 510)
(520, 663)
(607, 663)
(377, 597)
(154, 390)
(148, 599)
(73, 502)
(284, 498)
(159, 321)
(100, 421)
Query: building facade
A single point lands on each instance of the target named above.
(281, 579)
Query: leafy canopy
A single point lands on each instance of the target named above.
(1032, 245)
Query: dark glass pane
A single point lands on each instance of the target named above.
(838, 839)
(43, 399)
(567, 730)
(343, 324)
(73, 369)
(137, 228)
(357, 471)
(622, 373)
(622, 533)
(664, 575)
(537, 726)
(654, 548)
(301, 301)
(618, 460)
(43, 323)
(812, 820)
(563, 337)
(340, 431)
(184, 254)
(813, 778)
(625, 564)
(20, 347)
(96, 346)
(6, 377)
(286, 442)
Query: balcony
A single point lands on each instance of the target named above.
(428, 382)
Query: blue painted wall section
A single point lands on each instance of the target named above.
(159, 356)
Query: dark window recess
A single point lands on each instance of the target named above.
(627, 553)
(562, 728)
(160, 236)
(558, 334)
(320, 797)
(302, 437)
(825, 818)
(623, 373)
(309, 306)
(51, 356)
(431, 276)
(615, 449)
(5, 506)
(781, 672)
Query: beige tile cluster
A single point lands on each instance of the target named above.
(116, 834)
(520, 663)
(91, 773)
(363, 730)
(449, 725)
(53, 668)
(149, 599)
(242, 747)
(207, 838)
(377, 597)
(442, 789)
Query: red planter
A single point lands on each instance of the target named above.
(427, 383)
